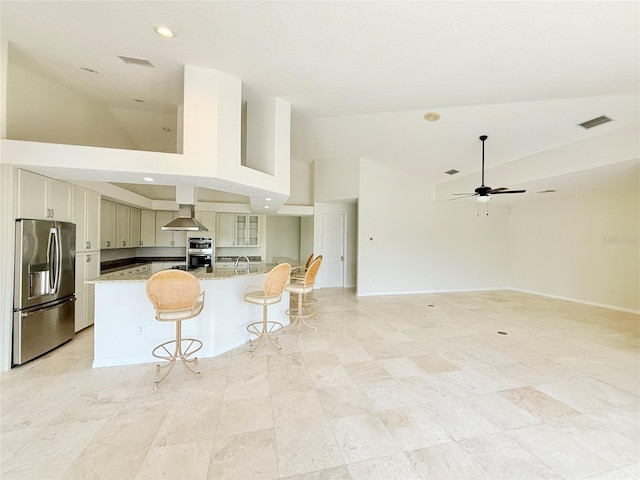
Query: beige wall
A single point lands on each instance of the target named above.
(409, 243)
(583, 248)
(43, 111)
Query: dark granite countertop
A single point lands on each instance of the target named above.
(113, 265)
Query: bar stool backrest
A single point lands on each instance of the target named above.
(312, 271)
(173, 290)
(277, 279)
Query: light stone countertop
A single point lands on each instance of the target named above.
(213, 273)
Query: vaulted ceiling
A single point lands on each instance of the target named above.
(360, 76)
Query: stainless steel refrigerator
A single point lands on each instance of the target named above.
(43, 298)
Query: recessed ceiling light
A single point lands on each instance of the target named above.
(164, 31)
(266, 206)
(148, 179)
(268, 199)
(166, 129)
(90, 70)
(432, 116)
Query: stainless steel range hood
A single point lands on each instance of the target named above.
(186, 211)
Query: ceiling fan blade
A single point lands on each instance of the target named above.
(508, 191)
(494, 190)
(465, 196)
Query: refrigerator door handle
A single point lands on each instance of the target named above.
(56, 287)
(54, 257)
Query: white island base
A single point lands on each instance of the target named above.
(126, 331)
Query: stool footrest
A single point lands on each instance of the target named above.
(263, 329)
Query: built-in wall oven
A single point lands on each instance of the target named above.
(199, 252)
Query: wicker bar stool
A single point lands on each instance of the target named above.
(270, 294)
(176, 296)
(305, 308)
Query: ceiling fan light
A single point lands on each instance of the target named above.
(483, 198)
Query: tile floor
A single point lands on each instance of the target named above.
(396, 387)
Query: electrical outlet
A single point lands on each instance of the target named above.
(140, 329)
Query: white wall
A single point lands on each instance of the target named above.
(283, 237)
(582, 248)
(43, 111)
(301, 184)
(409, 243)
(336, 179)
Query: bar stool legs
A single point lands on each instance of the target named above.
(162, 351)
(303, 311)
(262, 330)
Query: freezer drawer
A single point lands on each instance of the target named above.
(38, 330)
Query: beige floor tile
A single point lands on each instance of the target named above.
(559, 452)
(184, 461)
(292, 408)
(353, 354)
(244, 456)
(599, 438)
(538, 403)
(343, 401)
(588, 394)
(191, 423)
(396, 467)
(446, 462)
(500, 411)
(335, 473)
(255, 384)
(459, 419)
(306, 446)
(584, 359)
(245, 415)
(363, 437)
(365, 372)
(413, 428)
(401, 367)
(331, 376)
(386, 395)
(433, 363)
(503, 458)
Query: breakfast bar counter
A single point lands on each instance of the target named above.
(125, 329)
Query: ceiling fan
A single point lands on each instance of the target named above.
(483, 192)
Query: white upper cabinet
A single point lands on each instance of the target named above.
(168, 238)
(238, 230)
(107, 224)
(208, 219)
(123, 226)
(43, 198)
(147, 228)
(225, 230)
(86, 216)
(134, 231)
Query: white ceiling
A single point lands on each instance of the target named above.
(359, 75)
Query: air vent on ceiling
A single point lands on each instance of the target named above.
(594, 122)
(453, 171)
(136, 61)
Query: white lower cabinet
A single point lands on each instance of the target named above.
(87, 268)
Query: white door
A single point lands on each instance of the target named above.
(332, 249)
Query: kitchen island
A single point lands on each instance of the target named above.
(126, 331)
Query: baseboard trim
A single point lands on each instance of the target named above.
(424, 292)
(577, 300)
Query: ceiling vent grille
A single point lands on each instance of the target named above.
(594, 122)
(136, 61)
(453, 171)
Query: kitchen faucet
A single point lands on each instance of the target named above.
(240, 258)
